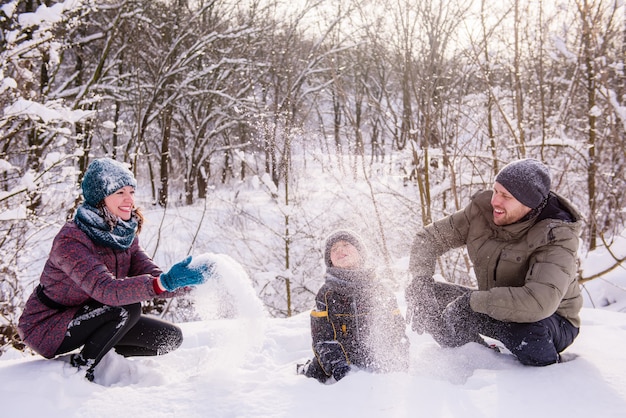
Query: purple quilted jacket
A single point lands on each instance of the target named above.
(78, 270)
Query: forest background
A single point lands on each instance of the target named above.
(257, 127)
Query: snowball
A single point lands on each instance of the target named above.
(227, 292)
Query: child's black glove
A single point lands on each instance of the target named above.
(341, 371)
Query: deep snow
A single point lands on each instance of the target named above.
(244, 366)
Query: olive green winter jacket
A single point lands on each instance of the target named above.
(525, 271)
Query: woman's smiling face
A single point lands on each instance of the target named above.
(121, 202)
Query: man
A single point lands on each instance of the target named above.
(522, 240)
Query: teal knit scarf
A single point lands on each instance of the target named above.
(91, 221)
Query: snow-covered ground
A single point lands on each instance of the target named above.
(244, 366)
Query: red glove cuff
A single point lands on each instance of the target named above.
(157, 289)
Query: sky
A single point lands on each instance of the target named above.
(245, 366)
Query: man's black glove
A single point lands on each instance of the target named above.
(422, 308)
(456, 314)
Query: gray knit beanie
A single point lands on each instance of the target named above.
(343, 235)
(528, 180)
(103, 177)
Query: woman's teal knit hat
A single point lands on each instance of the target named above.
(103, 177)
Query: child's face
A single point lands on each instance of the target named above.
(344, 255)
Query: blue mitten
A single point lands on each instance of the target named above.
(181, 275)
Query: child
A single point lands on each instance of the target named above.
(356, 322)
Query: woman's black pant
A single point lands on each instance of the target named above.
(98, 328)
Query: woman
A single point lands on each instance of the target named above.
(356, 321)
(96, 276)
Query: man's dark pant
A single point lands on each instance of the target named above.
(535, 343)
